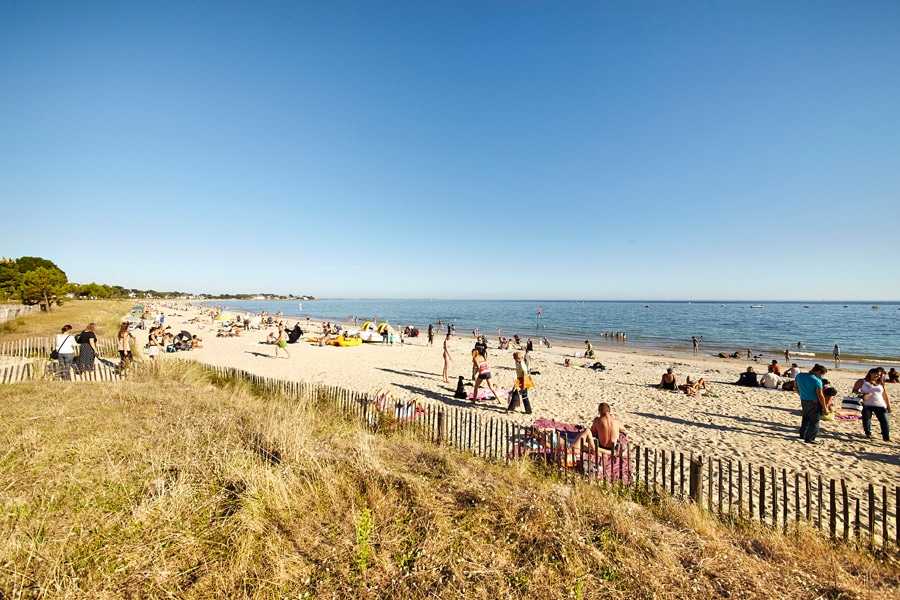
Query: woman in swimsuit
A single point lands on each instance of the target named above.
(483, 375)
(446, 359)
(668, 381)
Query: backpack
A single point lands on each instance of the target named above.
(78, 338)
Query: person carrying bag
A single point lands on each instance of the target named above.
(523, 384)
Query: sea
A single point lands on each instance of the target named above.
(867, 332)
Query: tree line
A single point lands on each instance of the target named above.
(33, 280)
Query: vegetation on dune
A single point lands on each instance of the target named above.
(107, 314)
(176, 483)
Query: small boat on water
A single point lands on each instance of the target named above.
(875, 306)
(806, 306)
(756, 306)
(646, 306)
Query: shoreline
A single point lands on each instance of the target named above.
(634, 341)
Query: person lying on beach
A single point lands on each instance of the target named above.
(668, 381)
(603, 433)
(692, 388)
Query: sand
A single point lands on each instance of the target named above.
(748, 424)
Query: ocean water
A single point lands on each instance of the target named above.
(865, 334)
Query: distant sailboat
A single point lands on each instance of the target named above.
(756, 306)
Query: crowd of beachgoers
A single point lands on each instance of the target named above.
(700, 404)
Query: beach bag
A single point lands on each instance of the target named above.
(78, 338)
(516, 398)
(54, 355)
(524, 384)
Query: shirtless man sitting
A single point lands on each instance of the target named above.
(604, 431)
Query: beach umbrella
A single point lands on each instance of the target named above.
(225, 316)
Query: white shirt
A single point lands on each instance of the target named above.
(65, 342)
(874, 395)
(770, 381)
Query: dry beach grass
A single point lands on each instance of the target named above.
(175, 484)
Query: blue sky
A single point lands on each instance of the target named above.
(586, 150)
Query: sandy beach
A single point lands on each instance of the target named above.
(747, 424)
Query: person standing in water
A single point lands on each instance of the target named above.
(837, 356)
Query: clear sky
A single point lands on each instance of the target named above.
(579, 150)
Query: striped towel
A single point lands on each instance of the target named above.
(851, 403)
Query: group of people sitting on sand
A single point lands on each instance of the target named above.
(692, 388)
(772, 379)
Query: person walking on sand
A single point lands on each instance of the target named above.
(281, 342)
(837, 356)
(447, 359)
(696, 344)
(812, 402)
(481, 348)
(87, 348)
(124, 344)
(65, 349)
(484, 375)
(523, 383)
(430, 334)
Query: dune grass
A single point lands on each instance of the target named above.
(176, 484)
(107, 314)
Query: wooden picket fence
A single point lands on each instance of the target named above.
(41, 347)
(736, 492)
(43, 369)
(30, 360)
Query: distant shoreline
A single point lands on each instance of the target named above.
(575, 332)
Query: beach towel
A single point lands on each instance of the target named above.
(551, 441)
(485, 395)
(851, 403)
(847, 417)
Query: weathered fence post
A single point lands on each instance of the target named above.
(695, 483)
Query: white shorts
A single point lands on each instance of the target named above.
(153, 350)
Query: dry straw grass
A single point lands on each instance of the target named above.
(107, 314)
(174, 484)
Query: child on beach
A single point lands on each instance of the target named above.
(281, 342)
(483, 375)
